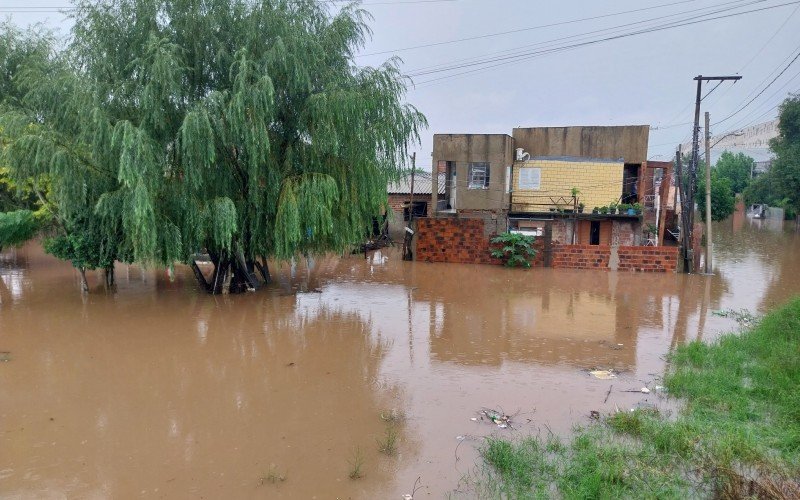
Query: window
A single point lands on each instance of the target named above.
(478, 177)
(530, 178)
(508, 179)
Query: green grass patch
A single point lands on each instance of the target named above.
(737, 436)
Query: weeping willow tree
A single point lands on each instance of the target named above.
(238, 128)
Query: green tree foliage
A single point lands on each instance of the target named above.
(238, 127)
(722, 197)
(17, 227)
(780, 185)
(735, 167)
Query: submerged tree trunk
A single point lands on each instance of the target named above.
(84, 283)
(108, 274)
(232, 274)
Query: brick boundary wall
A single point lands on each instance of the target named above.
(581, 256)
(648, 259)
(453, 240)
(463, 241)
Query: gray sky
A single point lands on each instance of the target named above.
(642, 79)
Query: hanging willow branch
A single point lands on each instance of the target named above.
(235, 125)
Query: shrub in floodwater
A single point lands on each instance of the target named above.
(514, 249)
(388, 444)
(356, 464)
(274, 476)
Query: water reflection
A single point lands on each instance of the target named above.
(121, 399)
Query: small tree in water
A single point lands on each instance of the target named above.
(514, 249)
(241, 128)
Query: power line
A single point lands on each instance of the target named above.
(520, 30)
(519, 57)
(526, 55)
(762, 90)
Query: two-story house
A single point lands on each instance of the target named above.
(561, 180)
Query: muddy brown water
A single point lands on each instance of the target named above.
(160, 391)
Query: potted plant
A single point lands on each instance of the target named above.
(603, 210)
(637, 208)
(596, 210)
(575, 192)
(612, 207)
(581, 206)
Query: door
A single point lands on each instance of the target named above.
(594, 233)
(451, 171)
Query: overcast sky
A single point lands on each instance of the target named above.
(641, 79)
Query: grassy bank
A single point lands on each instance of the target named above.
(737, 436)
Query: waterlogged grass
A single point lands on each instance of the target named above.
(738, 435)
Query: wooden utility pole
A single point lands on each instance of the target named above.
(691, 188)
(409, 232)
(709, 240)
(413, 171)
(686, 236)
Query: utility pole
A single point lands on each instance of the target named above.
(709, 240)
(686, 236)
(688, 202)
(409, 232)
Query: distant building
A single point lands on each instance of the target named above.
(401, 203)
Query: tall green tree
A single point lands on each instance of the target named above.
(244, 129)
(785, 169)
(722, 197)
(737, 168)
(780, 185)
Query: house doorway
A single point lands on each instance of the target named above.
(594, 233)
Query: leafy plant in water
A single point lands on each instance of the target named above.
(516, 249)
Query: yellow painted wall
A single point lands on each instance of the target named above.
(600, 183)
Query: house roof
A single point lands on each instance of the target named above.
(422, 184)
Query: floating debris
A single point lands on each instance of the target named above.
(594, 415)
(645, 390)
(603, 374)
(5, 356)
(742, 316)
(497, 417)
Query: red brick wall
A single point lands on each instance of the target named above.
(648, 259)
(581, 256)
(396, 201)
(464, 241)
(453, 240)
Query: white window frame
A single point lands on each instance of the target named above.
(530, 179)
(478, 175)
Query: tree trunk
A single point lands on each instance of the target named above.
(232, 274)
(263, 268)
(108, 274)
(84, 283)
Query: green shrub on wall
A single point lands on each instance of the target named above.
(515, 249)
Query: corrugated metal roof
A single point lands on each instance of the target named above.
(422, 184)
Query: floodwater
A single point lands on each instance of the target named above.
(160, 391)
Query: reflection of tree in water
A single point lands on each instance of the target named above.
(189, 386)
